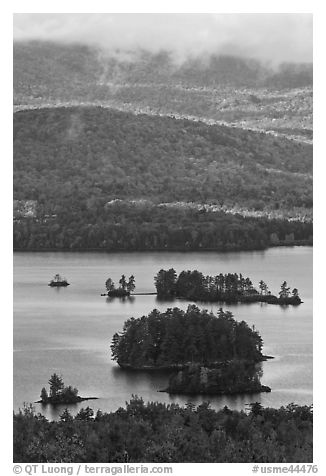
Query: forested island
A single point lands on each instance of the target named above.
(124, 289)
(166, 433)
(215, 354)
(60, 394)
(229, 288)
(175, 338)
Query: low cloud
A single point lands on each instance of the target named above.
(270, 37)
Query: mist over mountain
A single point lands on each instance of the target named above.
(271, 38)
(42, 63)
(230, 90)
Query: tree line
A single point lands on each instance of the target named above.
(127, 227)
(162, 433)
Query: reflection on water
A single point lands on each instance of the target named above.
(53, 412)
(69, 330)
(122, 299)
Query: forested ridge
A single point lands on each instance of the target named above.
(156, 432)
(72, 164)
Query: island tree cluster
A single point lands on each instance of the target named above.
(124, 289)
(58, 392)
(230, 287)
(176, 338)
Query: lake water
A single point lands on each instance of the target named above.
(69, 330)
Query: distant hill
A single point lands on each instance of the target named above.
(237, 91)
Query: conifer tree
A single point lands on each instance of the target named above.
(44, 395)
(123, 282)
(285, 290)
(56, 385)
(109, 284)
(131, 284)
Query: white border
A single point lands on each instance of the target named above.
(230, 6)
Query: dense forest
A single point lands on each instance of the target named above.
(175, 338)
(93, 178)
(230, 287)
(123, 155)
(156, 432)
(129, 227)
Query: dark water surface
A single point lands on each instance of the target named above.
(69, 330)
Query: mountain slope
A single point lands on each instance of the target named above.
(126, 156)
(98, 178)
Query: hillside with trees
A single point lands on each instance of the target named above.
(159, 433)
(143, 183)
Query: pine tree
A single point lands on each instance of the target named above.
(109, 284)
(56, 385)
(285, 290)
(263, 287)
(115, 346)
(131, 284)
(85, 414)
(66, 416)
(165, 282)
(122, 282)
(44, 395)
